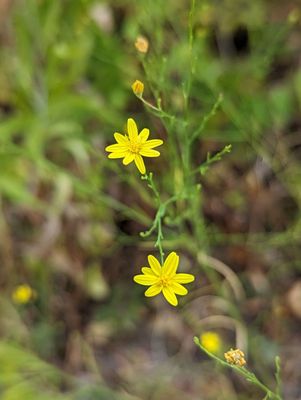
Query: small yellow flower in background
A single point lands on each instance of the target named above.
(211, 342)
(294, 16)
(141, 44)
(138, 88)
(23, 294)
(164, 278)
(132, 147)
(235, 357)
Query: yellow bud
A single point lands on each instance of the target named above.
(235, 357)
(138, 88)
(23, 294)
(141, 44)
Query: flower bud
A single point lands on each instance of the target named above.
(138, 88)
(141, 44)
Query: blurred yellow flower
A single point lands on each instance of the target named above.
(141, 44)
(132, 147)
(23, 294)
(235, 357)
(164, 278)
(211, 342)
(294, 16)
(138, 88)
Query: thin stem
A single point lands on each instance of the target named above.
(157, 224)
(278, 377)
(158, 110)
(187, 89)
(206, 118)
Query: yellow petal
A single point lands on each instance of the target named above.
(121, 139)
(144, 134)
(116, 148)
(149, 153)
(140, 164)
(178, 289)
(183, 278)
(154, 264)
(129, 157)
(153, 290)
(117, 155)
(145, 280)
(171, 264)
(147, 271)
(152, 143)
(132, 129)
(170, 296)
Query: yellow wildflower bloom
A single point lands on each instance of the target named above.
(23, 294)
(211, 342)
(138, 88)
(141, 44)
(132, 147)
(235, 357)
(164, 278)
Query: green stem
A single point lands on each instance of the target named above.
(278, 377)
(206, 118)
(157, 110)
(157, 224)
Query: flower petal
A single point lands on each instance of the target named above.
(129, 157)
(132, 129)
(147, 271)
(154, 264)
(153, 290)
(171, 264)
(143, 135)
(178, 289)
(149, 153)
(152, 143)
(183, 278)
(121, 139)
(145, 280)
(170, 296)
(140, 164)
(117, 155)
(116, 148)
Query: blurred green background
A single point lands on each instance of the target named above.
(70, 218)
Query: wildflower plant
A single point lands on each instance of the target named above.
(164, 278)
(235, 359)
(178, 219)
(133, 146)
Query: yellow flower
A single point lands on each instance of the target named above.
(132, 147)
(211, 342)
(294, 16)
(23, 294)
(141, 44)
(164, 278)
(235, 357)
(138, 88)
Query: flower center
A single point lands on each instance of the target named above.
(165, 281)
(134, 147)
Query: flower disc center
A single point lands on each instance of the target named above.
(165, 281)
(134, 147)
